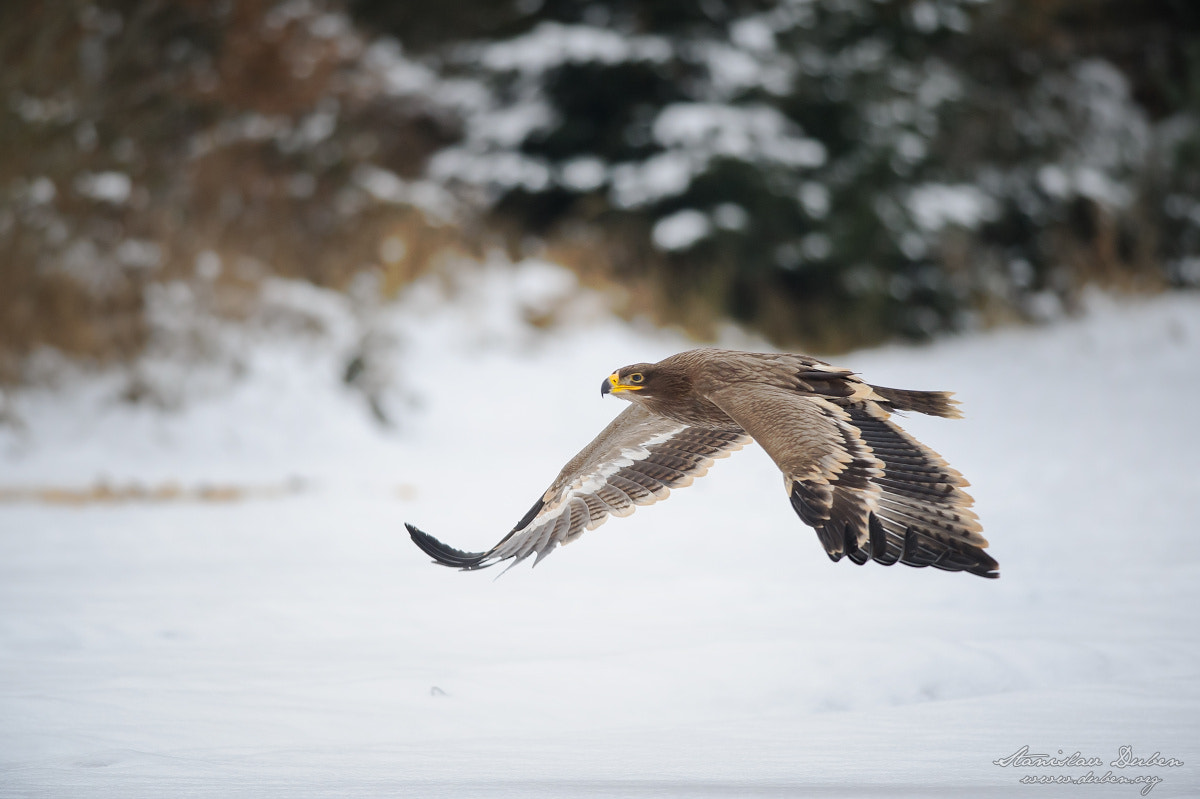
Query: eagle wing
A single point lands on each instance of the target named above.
(869, 489)
(636, 460)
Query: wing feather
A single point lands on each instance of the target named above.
(636, 460)
(619, 499)
(869, 489)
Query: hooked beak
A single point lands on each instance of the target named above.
(613, 385)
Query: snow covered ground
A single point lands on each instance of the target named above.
(298, 642)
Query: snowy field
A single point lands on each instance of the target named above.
(296, 643)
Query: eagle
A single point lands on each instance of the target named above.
(869, 489)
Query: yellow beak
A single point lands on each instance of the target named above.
(612, 385)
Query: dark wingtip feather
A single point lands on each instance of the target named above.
(921, 551)
(914, 549)
(445, 555)
(986, 566)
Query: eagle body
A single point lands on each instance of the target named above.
(869, 489)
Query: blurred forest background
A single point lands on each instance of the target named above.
(830, 173)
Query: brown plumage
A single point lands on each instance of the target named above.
(869, 489)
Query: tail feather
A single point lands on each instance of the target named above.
(934, 403)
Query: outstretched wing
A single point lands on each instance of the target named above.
(869, 489)
(636, 460)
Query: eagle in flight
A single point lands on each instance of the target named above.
(869, 489)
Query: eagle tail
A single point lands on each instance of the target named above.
(934, 403)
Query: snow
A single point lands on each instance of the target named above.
(681, 230)
(731, 216)
(498, 125)
(1092, 108)
(41, 190)
(139, 254)
(659, 176)
(109, 187)
(1061, 184)
(386, 186)
(499, 170)
(696, 134)
(399, 75)
(702, 647)
(936, 205)
(550, 45)
(752, 33)
(749, 132)
(583, 174)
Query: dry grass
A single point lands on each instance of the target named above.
(172, 104)
(103, 493)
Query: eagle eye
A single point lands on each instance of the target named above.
(636, 377)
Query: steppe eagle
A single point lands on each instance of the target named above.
(869, 489)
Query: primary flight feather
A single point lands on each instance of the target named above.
(869, 489)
